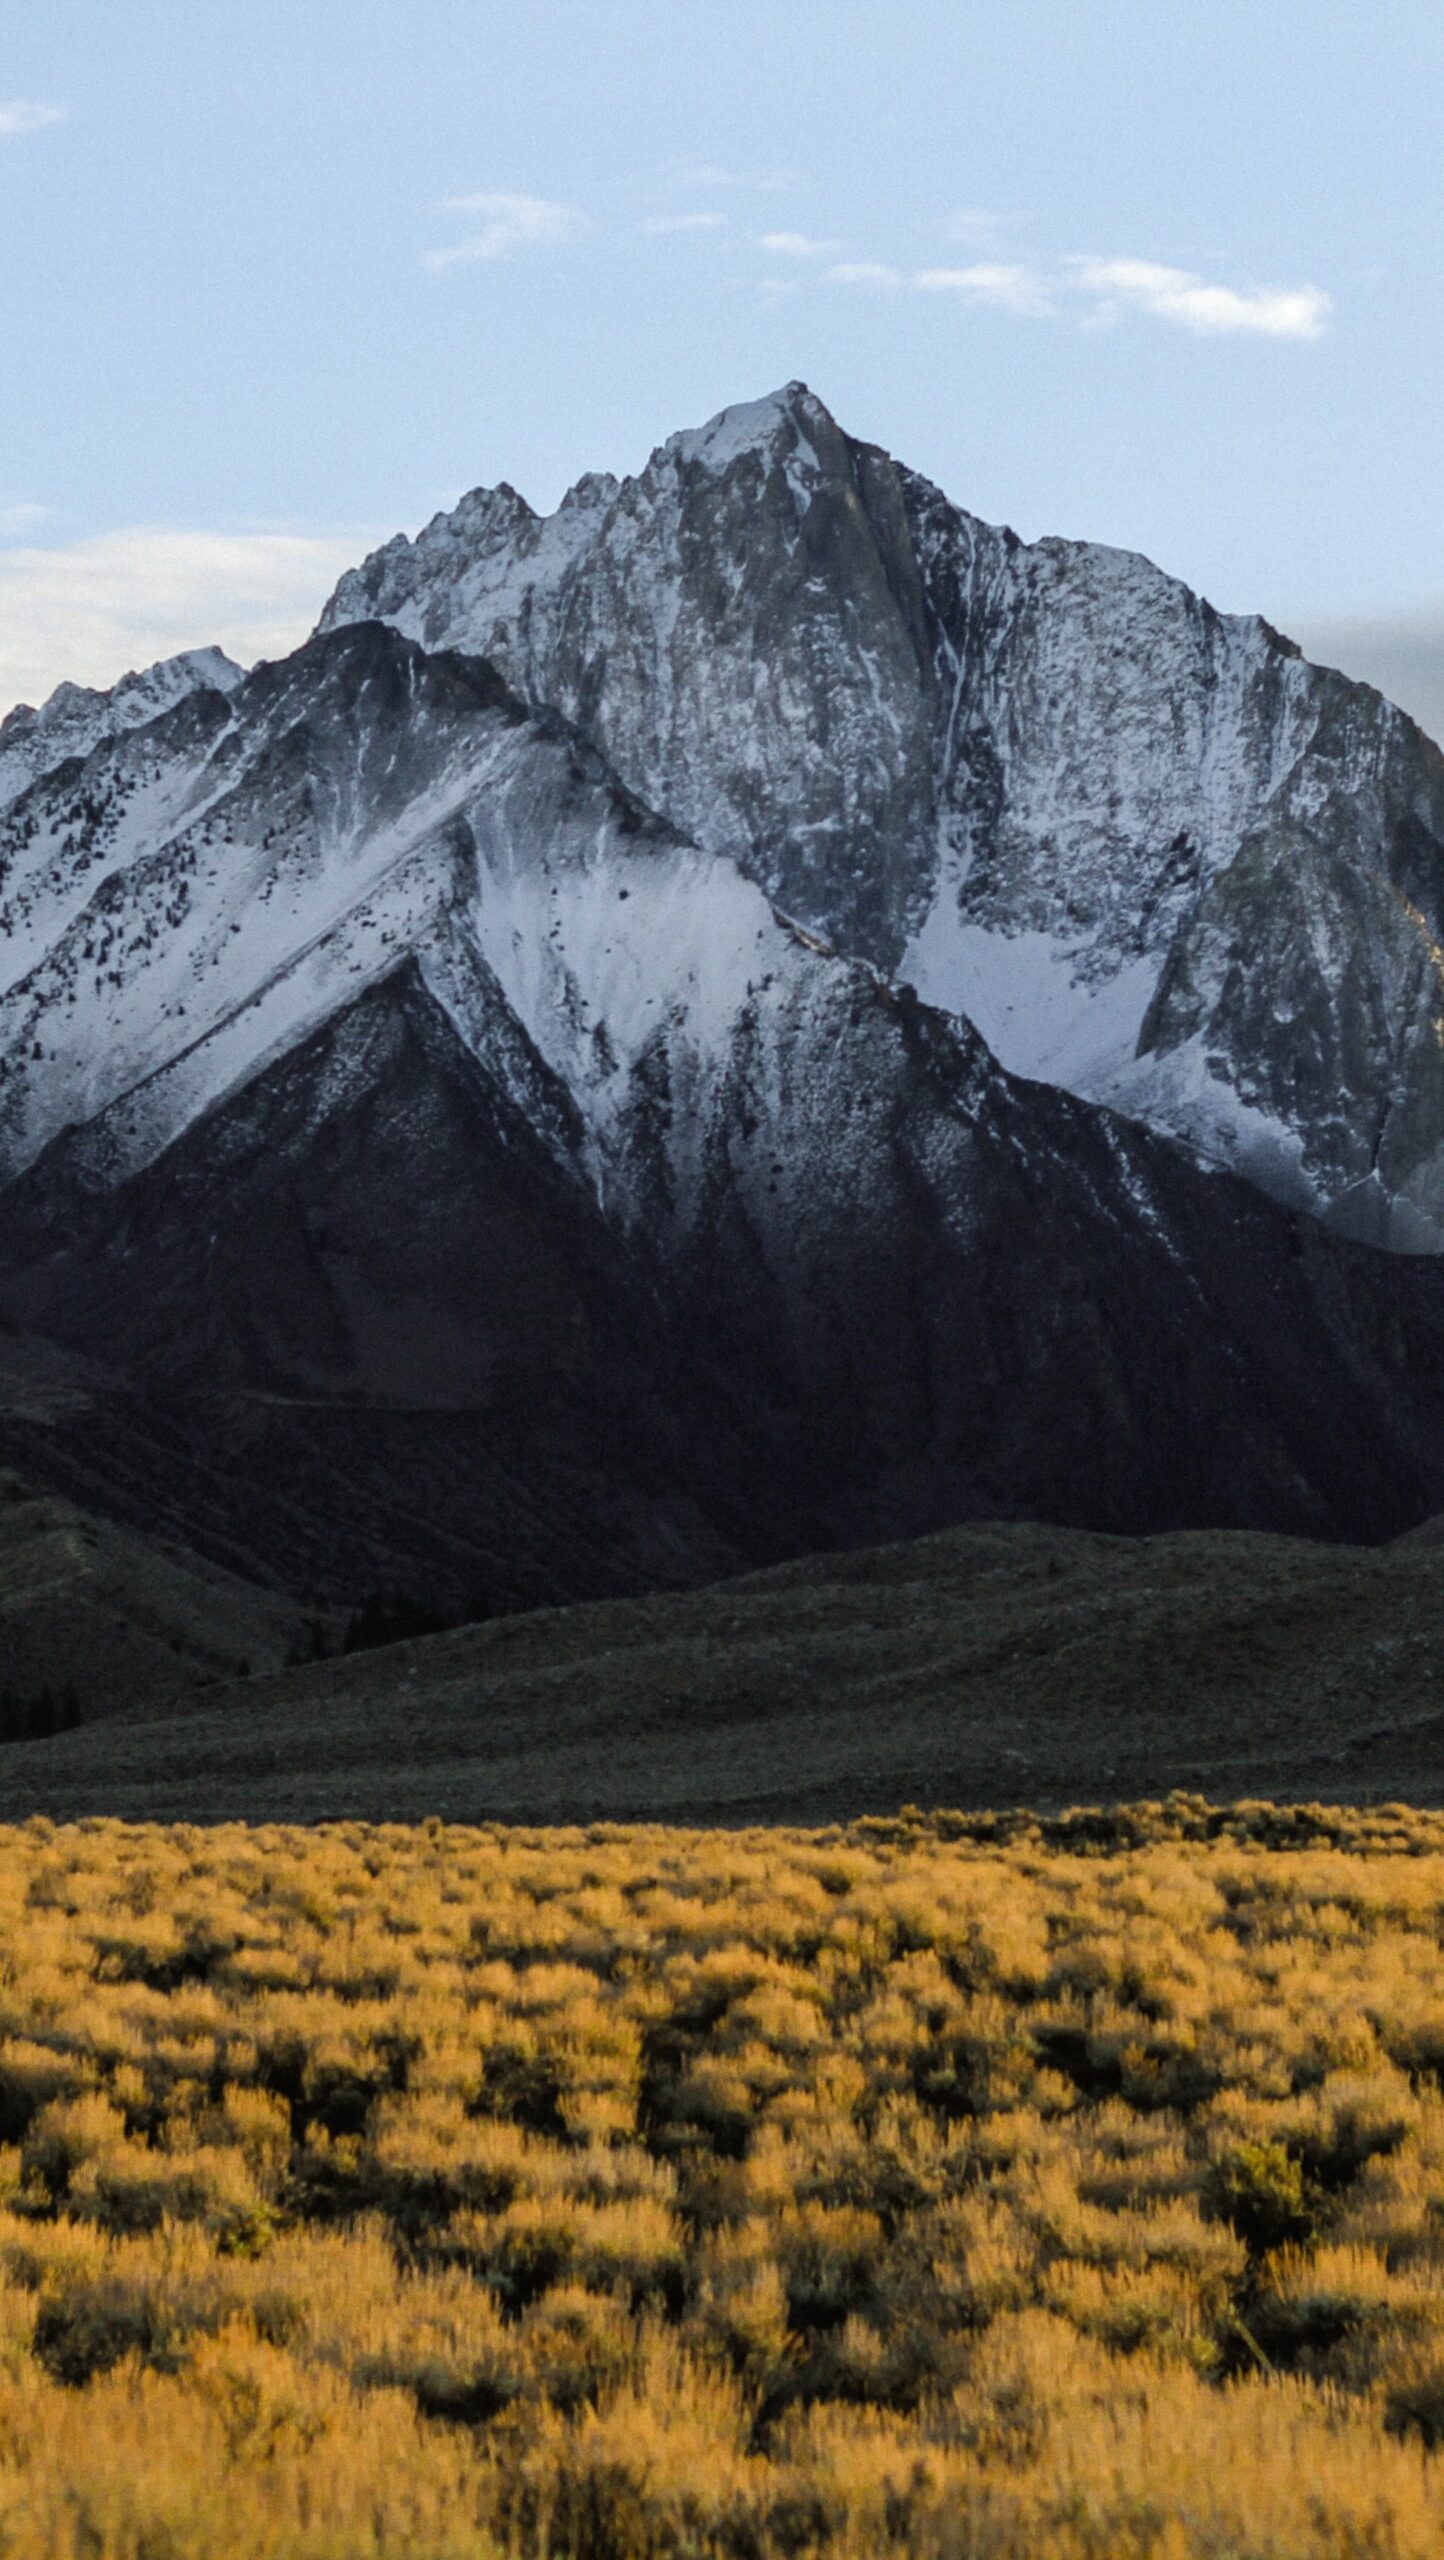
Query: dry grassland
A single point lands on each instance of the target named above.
(973, 2187)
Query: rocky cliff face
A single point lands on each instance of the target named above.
(380, 1053)
(466, 1094)
(1044, 783)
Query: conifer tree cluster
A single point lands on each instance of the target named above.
(389, 1617)
(30, 1717)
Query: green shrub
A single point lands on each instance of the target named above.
(1259, 2188)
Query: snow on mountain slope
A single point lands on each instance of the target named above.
(1024, 777)
(376, 1050)
(362, 801)
(76, 717)
(88, 821)
(281, 872)
(254, 863)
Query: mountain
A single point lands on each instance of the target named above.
(468, 1126)
(77, 718)
(1146, 849)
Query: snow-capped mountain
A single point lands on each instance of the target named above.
(246, 866)
(464, 1083)
(76, 717)
(1149, 851)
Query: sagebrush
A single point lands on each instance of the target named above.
(985, 2189)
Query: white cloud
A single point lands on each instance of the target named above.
(1211, 310)
(661, 224)
(89, 610)
(508, 223)
(27, 115)
(1006, 288)
(863, 271)
(1093, 292)
(796, 244)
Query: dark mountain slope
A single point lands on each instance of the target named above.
(419, 1354)
(94, 1614)
(460, 1182)
(368, 1276)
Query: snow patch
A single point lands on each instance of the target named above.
(742, 429)
(1179, 1093)
(1024, 993)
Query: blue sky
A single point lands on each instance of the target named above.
(278, 278)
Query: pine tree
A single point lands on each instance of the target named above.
(44, 1716)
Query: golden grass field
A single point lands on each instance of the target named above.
(979, 2186)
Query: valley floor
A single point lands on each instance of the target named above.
(993, 2187)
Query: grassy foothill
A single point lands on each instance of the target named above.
(977, 2186)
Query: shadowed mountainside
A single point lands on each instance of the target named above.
(118, 1619)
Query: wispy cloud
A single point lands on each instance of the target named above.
(864, 272)
(21, 516)
(1091, 292)
(796, 244)
(1005, 287)
(506, 223)
(975, 228)
(27, 115)
(659, 225)
(710, 174)
(1119, 285)
(88, 610)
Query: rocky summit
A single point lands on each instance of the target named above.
(753, 1013)
(1151, 853)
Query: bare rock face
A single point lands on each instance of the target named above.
(381, 1055)
(595, 1070)
(743, 630)
(1037, 781)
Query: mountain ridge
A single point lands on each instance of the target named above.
(75, 718)
(1050, 759)
(410, 1103)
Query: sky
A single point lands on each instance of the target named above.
(276, 281)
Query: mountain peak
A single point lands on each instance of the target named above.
(751, 426)
(493, 532)
(76, 717)
(139, 693)
(1044, 783)
(1114, 841)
